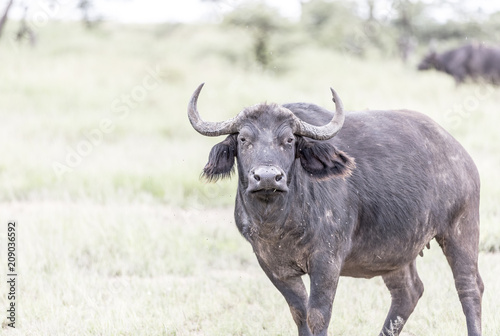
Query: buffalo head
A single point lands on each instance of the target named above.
(266, 140)
(429, 61)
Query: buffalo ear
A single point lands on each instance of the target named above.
(221, 160)
(322, 160)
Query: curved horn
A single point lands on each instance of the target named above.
(327, 131)
(206, 127)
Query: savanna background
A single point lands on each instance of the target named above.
(117, 235)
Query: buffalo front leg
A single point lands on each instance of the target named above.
(294, 291)
(324, 277)
(406, 289)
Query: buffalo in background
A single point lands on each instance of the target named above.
(473, 61)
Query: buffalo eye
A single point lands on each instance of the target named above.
(289, 140)
(243, 140)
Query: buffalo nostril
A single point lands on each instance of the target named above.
(256, 177)
(278, 177)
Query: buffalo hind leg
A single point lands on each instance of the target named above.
(406, 289)
(462, 255)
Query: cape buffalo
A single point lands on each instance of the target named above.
(474, 61)
(355, 194)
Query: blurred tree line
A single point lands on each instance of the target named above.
(25, 31)
(391, 28)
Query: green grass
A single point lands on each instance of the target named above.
(141, 269)
(129, 241)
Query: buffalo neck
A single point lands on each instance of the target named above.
(265, 212)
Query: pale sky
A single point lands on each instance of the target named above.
(151, 11)
(146, 11)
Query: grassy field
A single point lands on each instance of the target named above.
(116, 233)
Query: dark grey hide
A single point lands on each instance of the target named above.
(472, 61)
(362, 204)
